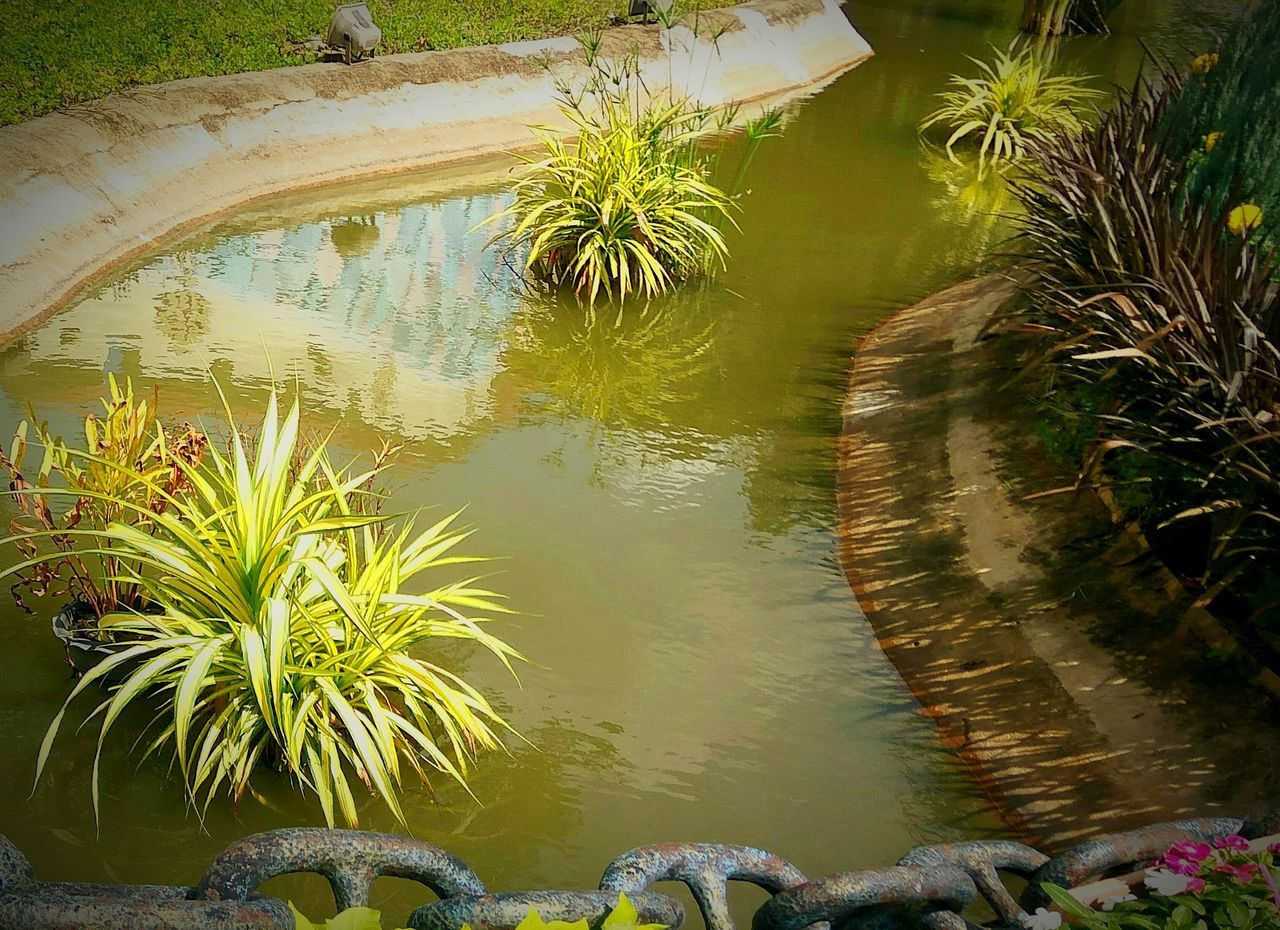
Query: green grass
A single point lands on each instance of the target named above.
(62, 52)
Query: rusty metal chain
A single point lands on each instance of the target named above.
(349, 860)
(983, 861)
(914, 893)
(27, 904)
(706, 869)
(931, 887)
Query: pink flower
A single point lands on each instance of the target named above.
(1195, 885)
(1242, 873)
(1234, 841)
(1181, 866)
(1274, 848)
(1188, 849)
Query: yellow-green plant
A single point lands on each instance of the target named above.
(128, 470)
(623, 917)
(353, 918)
(629, 207)
(1016, 99)
(285, 613)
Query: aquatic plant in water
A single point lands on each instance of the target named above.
(1016, 99)
(629, 208)
(127, 472)
(281, 627)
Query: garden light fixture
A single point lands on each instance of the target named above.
(353, 31)
(643, 9)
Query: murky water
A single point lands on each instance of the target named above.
(660, 492)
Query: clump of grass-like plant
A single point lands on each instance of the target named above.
(1017, 98)
(286, 623)
(1165, 314)
(631, 207)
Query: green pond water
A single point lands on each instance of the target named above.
(659, 492)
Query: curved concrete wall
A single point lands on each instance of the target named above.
(85, 189)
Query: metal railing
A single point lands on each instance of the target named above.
(931, 887)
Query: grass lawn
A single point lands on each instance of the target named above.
(60, 52)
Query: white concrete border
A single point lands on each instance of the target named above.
(83, 190)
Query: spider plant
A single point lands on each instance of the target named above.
(1016, 99)
(287, 630)
(629, 208)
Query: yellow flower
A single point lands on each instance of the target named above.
(1244, 218)
(1203, 64)
(1211, 141)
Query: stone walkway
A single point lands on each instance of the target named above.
(1027, 630)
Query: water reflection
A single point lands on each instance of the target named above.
(391, 318)
(975, 195)
(181, 315)
(630, 371)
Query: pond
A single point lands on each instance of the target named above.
(658, 490)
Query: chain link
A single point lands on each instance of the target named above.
(349, 860)
(931, 887)
(706, 869)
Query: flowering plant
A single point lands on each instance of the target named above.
(1193, 886)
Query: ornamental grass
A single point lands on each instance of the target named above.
(1017, 99)
(630, 207)
(285, 623)
(1161, 314)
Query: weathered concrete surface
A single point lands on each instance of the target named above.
(1026, 628)
(83, 190)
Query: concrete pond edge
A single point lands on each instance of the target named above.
(994, 607)
(88, 188)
